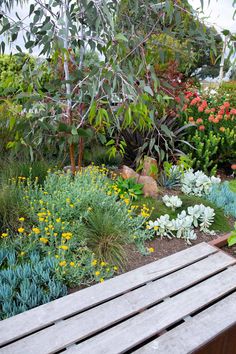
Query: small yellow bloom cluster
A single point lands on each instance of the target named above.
(145, 211)
(4, 235)
(66, 235)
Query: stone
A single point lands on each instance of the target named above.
(150, 188)
(127, 172)
(150, 167)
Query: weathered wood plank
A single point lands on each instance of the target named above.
(79, 327)
(136, 330)
(42, 316)
(200, 330)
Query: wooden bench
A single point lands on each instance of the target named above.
(175, 305)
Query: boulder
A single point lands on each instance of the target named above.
(127, 172)
(150, 167)
(150, 188)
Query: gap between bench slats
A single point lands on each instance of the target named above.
(136, 330)
(200, 330)
(45, 315)
(83, 325)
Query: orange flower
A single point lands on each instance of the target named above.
(191, 119)
(199, 121)
(222, 129)
(201, 127)
(233, 166)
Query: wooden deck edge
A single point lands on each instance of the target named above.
(220, 241)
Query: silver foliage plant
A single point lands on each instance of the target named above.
(183, 226)
(197, 183)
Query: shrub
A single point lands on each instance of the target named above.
(11, 206)
(214, 134)
(27, 284)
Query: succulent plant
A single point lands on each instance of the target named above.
(172, 201)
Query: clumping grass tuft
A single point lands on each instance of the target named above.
(106, 236)
(232, 185)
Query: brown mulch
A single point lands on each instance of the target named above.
(230, 250)
(162, 248)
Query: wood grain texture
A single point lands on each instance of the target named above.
(45, 315)
(88, 323)
(200, 330)
(136, 330)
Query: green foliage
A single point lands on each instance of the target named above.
(12, 206)
(79, 220)
(204, 155)
(232, 185)
(220, 224)
(99, 155)
(232, 237)
(129, 188)
(26, 283)
(15, 170)
(106, 235)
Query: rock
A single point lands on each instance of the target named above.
(150, 167)
(150, 188)
(127, 172)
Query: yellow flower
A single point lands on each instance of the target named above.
(126, 200)
(22, 253)
(58, 220)
(36, 230)
(62, 263)
(46, 228)
(101, 280)
(103, 264)
(41, 219)
(4, 234)
(72, 264)
(89, 209)
(97, 273)
(155, 228)
(41, 202)
(55, 234)
(109, 193)
(43, 240)
(151, 249)
(64, 247)
(68, 200)
(72, 205)
(148, 227)
(115, 268)
(94, 262)
(56, 256)
(21, 219)
(21, 229)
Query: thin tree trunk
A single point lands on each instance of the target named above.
(65, 8)
(81, 153)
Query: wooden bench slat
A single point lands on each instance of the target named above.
(136, 330)
(69, 331)
(200, 330)
(42, 316)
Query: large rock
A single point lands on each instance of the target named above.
(150, 188)
(127, 172)
(150, 167)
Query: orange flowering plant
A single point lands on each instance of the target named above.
(213, 134)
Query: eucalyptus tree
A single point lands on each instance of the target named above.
(121, 88)
(64, 30)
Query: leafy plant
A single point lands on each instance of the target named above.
(12, 206)
(28, 283)
(129, 188)
(197, 183)
(182, 226)
(172, 201)
(232, 237)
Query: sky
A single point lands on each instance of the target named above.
(219, 13)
